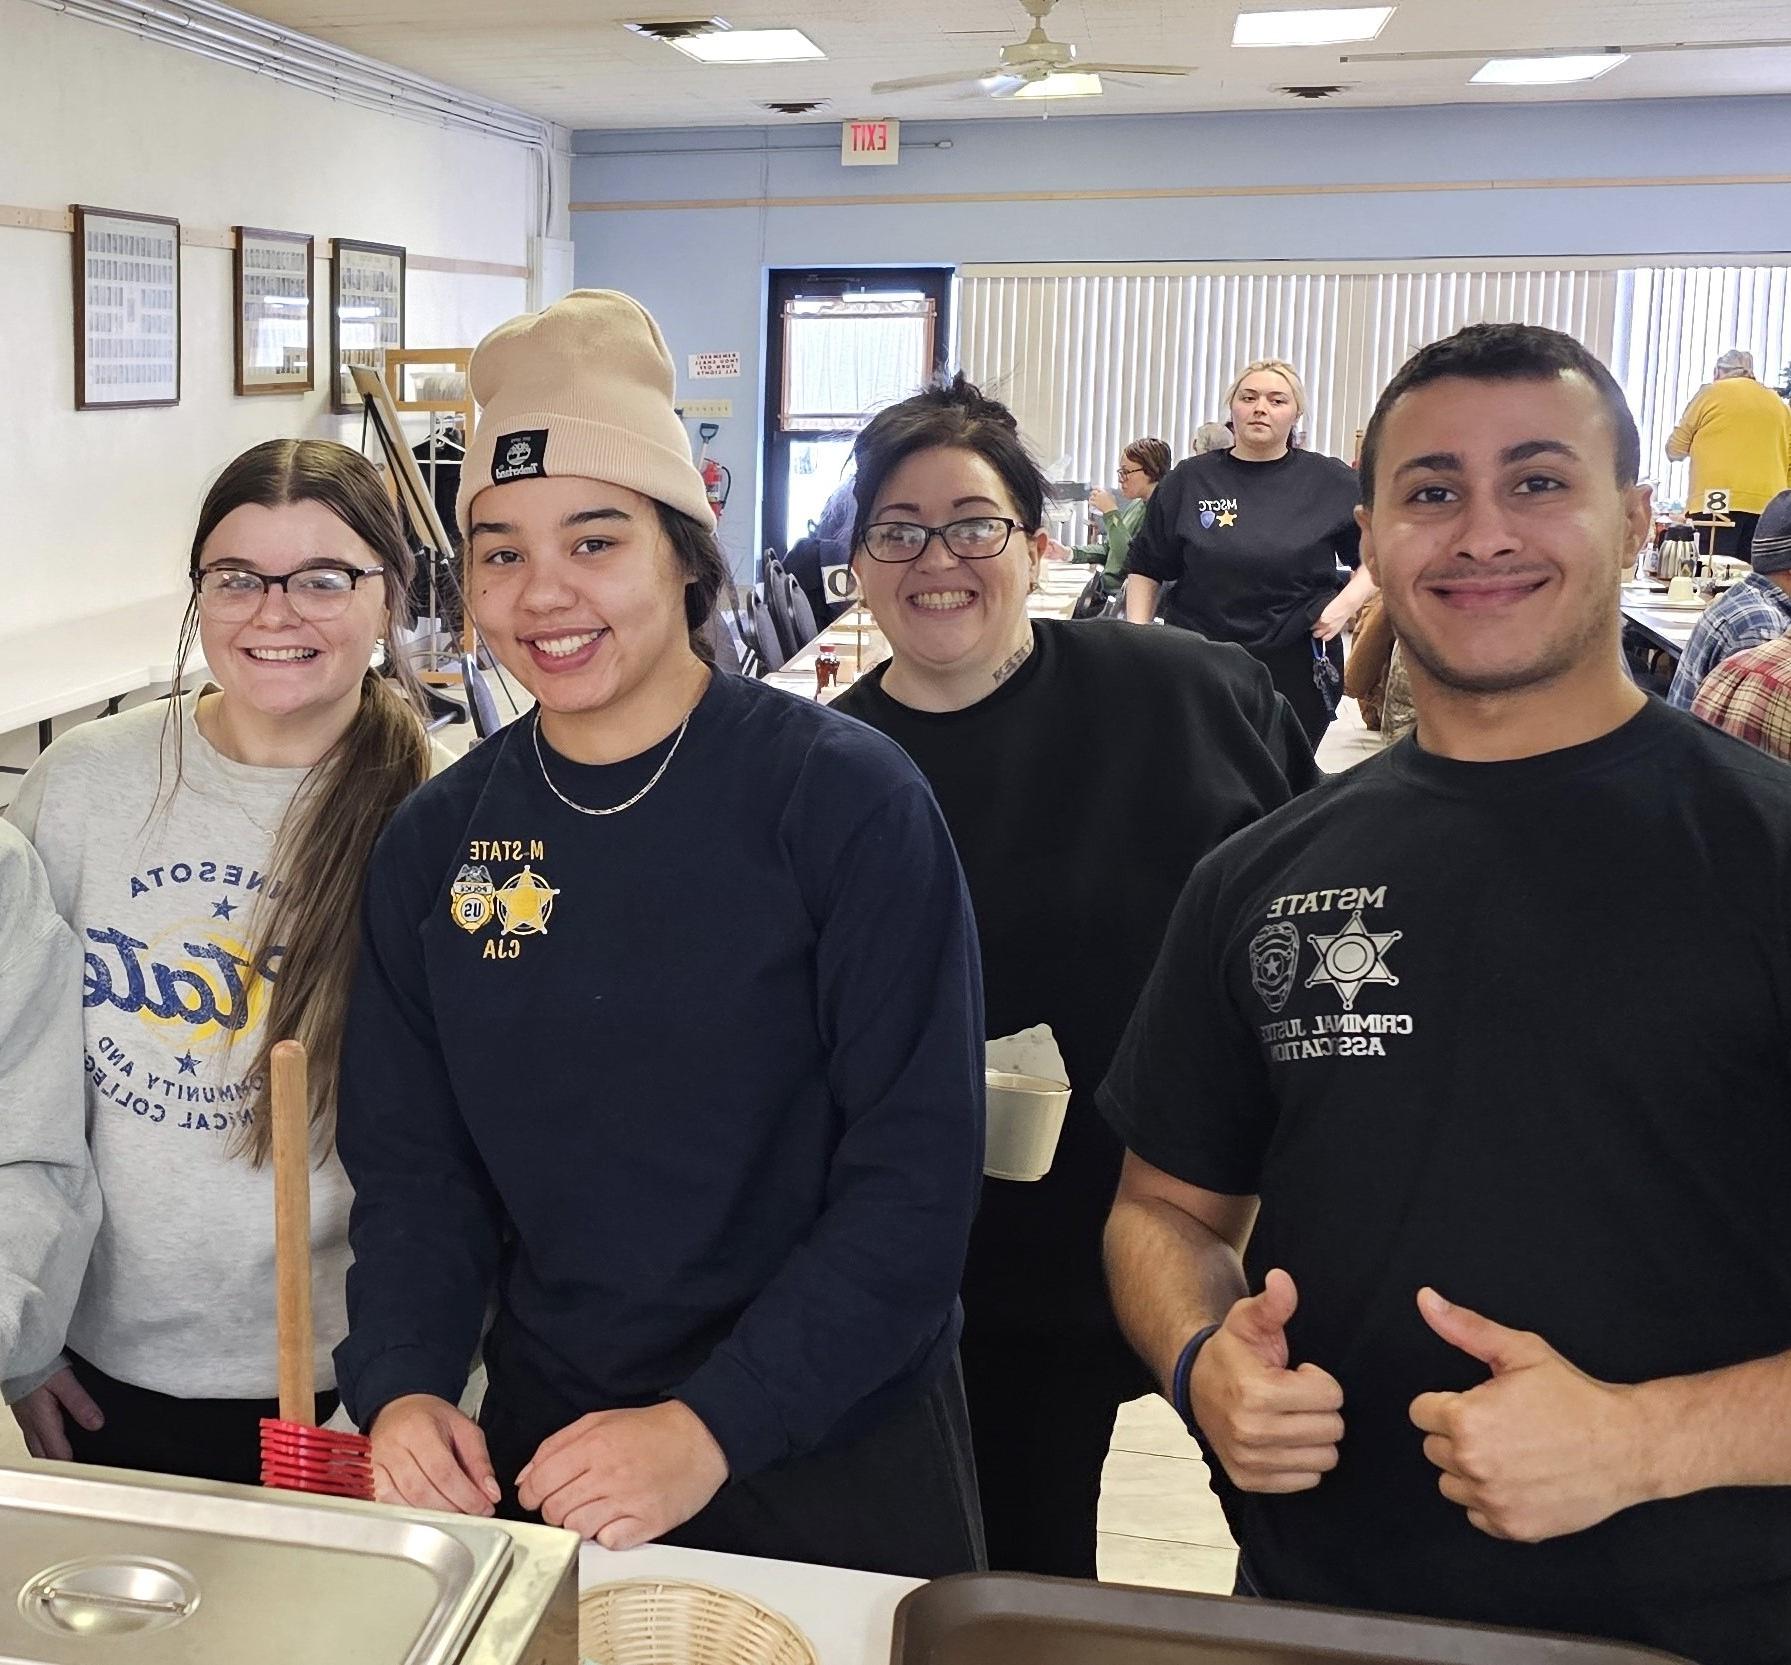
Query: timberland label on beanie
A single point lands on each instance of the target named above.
(592, 374)
(519, 456)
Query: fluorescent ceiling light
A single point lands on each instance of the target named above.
(1310, 28)
(1547, 72)
(1064, 84)
(749, 46)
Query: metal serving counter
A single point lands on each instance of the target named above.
(101, 1566)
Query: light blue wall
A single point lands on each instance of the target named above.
(702, 273)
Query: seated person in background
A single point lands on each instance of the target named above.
(1755, 610)
(828, 544)
(1374, 675)
(1212, 436)
(1142, 465)
(1749, 696)
(49, 1198)
(1470, 1271)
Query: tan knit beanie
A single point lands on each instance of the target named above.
(582, 389)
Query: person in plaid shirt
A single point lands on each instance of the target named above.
(1754, 611)
(1749, 695)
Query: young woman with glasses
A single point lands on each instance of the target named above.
(666, 1048)
(1083, 769)
(208, 854)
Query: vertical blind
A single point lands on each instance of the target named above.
(1090, 358)
(1674, 324)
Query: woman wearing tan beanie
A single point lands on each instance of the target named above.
(667, 1041)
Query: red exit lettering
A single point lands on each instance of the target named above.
(870, 135)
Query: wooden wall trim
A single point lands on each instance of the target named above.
(1184, 193)
(19, 218)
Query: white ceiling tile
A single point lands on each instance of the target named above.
(571, 61)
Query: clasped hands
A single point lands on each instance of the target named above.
(621, 1478)
(1538, 1450)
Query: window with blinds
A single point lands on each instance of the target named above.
(1674, 323)
(1090, 358)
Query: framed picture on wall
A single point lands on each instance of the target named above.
(366, 312)
(273, 312)
(127, 309)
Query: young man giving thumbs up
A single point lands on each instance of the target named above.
(1466, 1259)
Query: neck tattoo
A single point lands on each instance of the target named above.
(1007, 668)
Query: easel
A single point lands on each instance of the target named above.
(415, 495)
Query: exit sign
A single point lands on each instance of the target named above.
(870, 144)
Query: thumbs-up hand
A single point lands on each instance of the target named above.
(1273, 1429)
(1539, 1450)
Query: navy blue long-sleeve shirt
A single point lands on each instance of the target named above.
(697, 1087)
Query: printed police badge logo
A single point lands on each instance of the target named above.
(525, 904)
(1274, 957)
(1207, 517)
(470, 902)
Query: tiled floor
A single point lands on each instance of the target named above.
(1160, 1523)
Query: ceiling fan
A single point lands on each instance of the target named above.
(1027, 63)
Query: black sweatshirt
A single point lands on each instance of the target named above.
(697, 1087)
(1080, 794)
(1252, 547)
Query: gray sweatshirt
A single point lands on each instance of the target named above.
(49, 1200)
(179, 1295)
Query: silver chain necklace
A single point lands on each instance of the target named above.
(626, 803)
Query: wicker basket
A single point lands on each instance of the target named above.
(672, 1622)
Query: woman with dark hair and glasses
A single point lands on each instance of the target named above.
(1141, 465)
(666, 1046)
(208, 854)
(1077, 828)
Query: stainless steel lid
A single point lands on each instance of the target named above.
(156, 1571)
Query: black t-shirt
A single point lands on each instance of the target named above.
(1252, 547)
(1521, 1031)
(1078, 824)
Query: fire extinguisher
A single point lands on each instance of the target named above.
(718, 479)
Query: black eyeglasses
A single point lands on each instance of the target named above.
(977, 539)
(317, 594)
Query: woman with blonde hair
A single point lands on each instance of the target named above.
(1255, 540)
(208, 854)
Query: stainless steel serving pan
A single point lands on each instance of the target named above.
(98, 1567)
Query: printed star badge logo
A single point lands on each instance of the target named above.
(189, 1065)
(1354, 956)
(1228, 518)
(223, 909)
(525, 903)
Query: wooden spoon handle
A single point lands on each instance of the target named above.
(292, 1233)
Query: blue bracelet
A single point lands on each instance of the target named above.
(1184, 1368)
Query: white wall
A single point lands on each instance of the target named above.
(99, 505)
